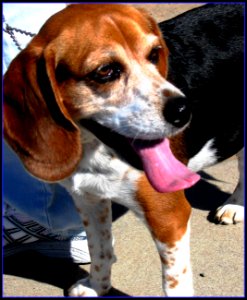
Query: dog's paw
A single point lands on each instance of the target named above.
(230, 214)
(82, 289)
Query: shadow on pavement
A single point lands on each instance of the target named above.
(62, 273)
(206, 195)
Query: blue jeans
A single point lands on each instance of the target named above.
(49, 205)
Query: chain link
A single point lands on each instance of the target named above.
(11, 31)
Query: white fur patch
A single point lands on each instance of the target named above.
(82, 289)
(172, 90)
(230, 214)
(204, 158)
(103, 176)
(176, 266)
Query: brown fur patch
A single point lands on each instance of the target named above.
(167, 214)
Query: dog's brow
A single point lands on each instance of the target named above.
(151, 39)
(151, 42)
(96, 59)
(145, 43)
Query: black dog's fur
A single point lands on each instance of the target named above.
(206, 62)
(206, 47)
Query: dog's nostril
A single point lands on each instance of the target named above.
(177, 111)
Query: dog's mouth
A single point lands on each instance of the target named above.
(164, 172)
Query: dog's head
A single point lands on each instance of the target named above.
(102, 66)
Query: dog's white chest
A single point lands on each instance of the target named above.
(102, 175)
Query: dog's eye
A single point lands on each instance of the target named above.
(106, 73)
(153, 57)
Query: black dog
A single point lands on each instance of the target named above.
(206, 62)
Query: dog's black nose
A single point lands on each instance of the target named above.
(177, 111)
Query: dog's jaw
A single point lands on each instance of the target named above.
(164, 171)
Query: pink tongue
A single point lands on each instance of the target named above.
(165, 173)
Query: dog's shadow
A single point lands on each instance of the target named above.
(63, 273)
(206, 195)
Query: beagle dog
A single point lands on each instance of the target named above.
(87, 104)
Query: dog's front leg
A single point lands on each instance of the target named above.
(96, 217)
(176, 267)
(167, 217)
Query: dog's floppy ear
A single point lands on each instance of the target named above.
(36, 123)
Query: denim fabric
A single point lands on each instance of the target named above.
(48, 204)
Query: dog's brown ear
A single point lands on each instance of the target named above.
(36, 123)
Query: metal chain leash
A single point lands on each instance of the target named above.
(11, 31)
